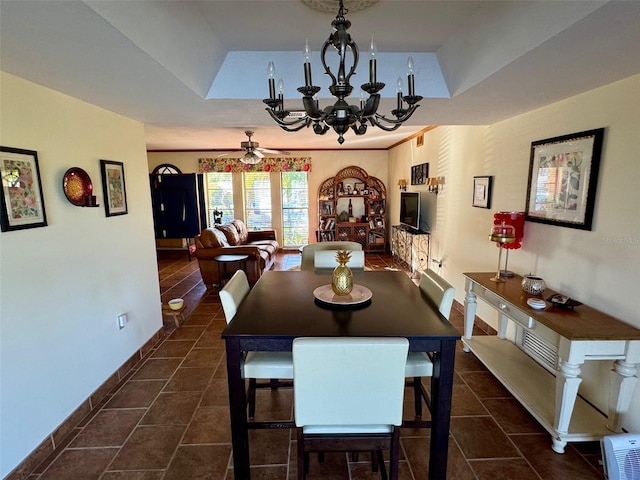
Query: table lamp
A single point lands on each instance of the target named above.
(516, 220)
(502, 234)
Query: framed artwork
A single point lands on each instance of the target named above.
(113, 188)
(419, 174)
(22, 203)
(482, 191)
(563, 176)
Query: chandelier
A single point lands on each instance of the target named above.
(341, 116)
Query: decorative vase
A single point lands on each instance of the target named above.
(342, 278)
(533, 285)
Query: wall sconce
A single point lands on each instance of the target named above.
(402, 184)
(435, 184)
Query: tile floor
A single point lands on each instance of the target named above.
(170, 420)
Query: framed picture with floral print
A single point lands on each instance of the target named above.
(113, 187)
(22, 204)
(563, 176)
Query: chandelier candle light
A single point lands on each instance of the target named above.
(341, 116)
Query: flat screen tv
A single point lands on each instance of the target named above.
(410, 209)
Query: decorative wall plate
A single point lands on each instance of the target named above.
(77, 185)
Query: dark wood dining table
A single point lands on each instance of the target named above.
(281, 307)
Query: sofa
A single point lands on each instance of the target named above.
(233, 238)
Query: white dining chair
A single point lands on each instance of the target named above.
(256, 365)
(233, 293)
(308, 251)
(440, 293)
(348, 395)
(326, 259)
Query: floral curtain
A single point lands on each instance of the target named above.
(286, 164)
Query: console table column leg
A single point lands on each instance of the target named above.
(557, 445)
(502, 326)
(622, 384)
(567, 383)
(470, 306)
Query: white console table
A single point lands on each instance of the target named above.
(550, 346)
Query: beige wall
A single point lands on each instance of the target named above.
(599, 267)
(324, 164)
(63, 286)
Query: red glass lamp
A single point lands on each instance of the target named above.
(516, 220)
(503, 234)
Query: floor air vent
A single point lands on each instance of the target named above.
(542, 352)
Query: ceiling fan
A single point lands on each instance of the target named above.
(253, 154)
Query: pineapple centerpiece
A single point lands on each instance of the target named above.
(342, 279)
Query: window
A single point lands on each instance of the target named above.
(166, 169)
(219, 192)
(295, 209)
(257, 200)
(293, 198)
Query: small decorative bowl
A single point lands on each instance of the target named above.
(533, 285)
(176, 303)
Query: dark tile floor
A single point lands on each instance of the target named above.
(170, 420)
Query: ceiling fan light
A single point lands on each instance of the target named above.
(252, 154)
(250, 158)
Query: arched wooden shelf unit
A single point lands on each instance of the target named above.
(352, 207)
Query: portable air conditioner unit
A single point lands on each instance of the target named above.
(621, 456)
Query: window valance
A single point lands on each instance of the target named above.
(285, 164)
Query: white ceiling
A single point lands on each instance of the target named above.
(156, 61)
